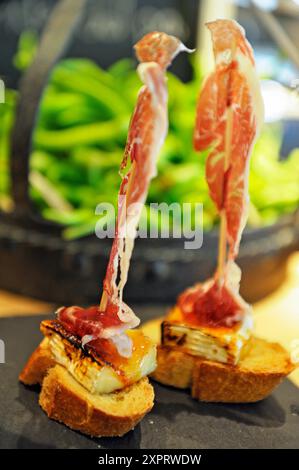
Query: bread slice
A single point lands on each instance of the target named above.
(264, 366)
(65, 400)
(37, 366)
(112, 414)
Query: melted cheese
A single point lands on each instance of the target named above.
(225, 345)
(100, 379)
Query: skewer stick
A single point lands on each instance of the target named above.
(104, 301)
(222, 245)
(222, 232)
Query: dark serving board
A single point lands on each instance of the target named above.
(176, 421)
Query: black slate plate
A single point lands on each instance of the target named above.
(176, 421)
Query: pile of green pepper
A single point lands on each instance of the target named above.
(81, 133)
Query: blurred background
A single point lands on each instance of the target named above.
(70, 87)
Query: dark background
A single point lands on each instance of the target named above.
(111, 27)
(108, 31)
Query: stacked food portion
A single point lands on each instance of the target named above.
(207, 340)
(92, 365)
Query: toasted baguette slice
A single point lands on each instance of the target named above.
(264, 366)
(65, 400)
(112, 414)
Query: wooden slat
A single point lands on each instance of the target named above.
(277, 316)
(17, 305)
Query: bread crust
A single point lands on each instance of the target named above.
(37, 365)
(66, 401)
(253, 379)
(114, 414)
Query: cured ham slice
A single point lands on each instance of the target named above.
(228, 119)
(213, 303)
(147, 132)
(93, 326)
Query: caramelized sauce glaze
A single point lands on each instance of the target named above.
(102, 350)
